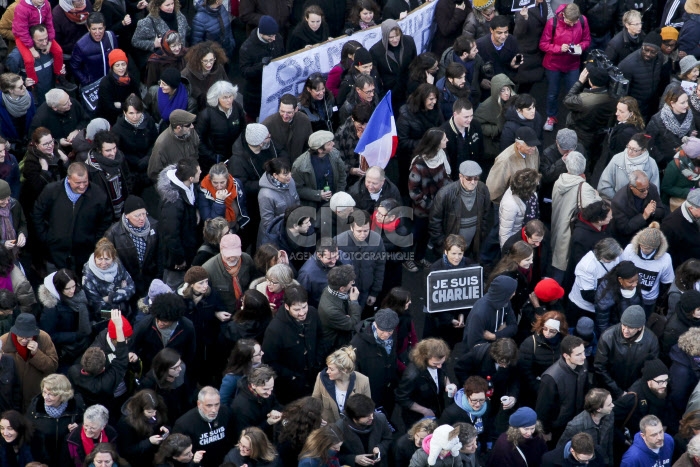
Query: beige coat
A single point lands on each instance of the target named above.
(330, 411)
(39, 365)
(564, 204)
(506, 164)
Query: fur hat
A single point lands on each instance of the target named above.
(445, 438)
(196, 274)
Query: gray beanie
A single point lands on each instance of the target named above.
(95, 125)
(255, 134)
(575, 163)
(634, 317)
(694, 198)
(386, 319)
(567, 139)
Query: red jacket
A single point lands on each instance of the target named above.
(578, 34)
(26, 16)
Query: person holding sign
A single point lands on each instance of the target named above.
(448, 325)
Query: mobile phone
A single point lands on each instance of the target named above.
(377, 456)
(106, 314)
(164, 436)
(519, 59)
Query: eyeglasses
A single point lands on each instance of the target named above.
(272, 282)
(208, 61)
(630, 148)
(641, 190)
(470, 179)
(47, 145)
(140, 215)
(663, 382)
(369, 91)
(477, 401)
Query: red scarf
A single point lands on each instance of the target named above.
(231, 187)
(389, 227)
(276, 299)
(233, 272)
(77, 16)
(602, 227)
(21, 350)
(89, 443)
(123, 80)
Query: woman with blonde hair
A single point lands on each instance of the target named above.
(540, 351)
(341, 376)
(321, 448)
(423, 379)
(406, 445)
(254, 449)
(55, 411)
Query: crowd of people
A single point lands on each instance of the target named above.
(186, 282)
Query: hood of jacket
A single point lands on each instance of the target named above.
(167, 190)
(48, 295)
(644, 455)
(677, 355)
(500, 291)
(497, 83)
(566, 182)
(265, 183)
(660, 251)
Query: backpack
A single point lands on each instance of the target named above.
(554, 24)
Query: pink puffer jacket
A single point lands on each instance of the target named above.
(26, 16)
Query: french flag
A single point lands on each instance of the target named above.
(379, 141)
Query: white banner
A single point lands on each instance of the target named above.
(287, 74)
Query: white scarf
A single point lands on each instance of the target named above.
(439, 158)
(188, 189)
(107, 275)
(636, 163)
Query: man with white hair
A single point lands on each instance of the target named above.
(682, 229)
(651, 447)
(571, 192)
(62, 115)
(210, 426)
(692, 454)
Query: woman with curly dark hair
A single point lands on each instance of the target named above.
(299, 419)
(317, 102)
(141, 428)
(18, 445)
(167, 378)
(204, 66)
(364, 14)
(687, 278)
(245, 355)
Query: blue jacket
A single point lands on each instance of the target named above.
(89, 60)
(313, 276)
(213, 25)
(639, 455)
(689, 38)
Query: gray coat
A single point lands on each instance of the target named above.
(221, 281)
(615, 176)
(150, 26)
(305, 177)
(273, 201)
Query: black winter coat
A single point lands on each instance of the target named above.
(555, 458)
(295, 351)
(134, 447)
(251, 409)
(69, 232)
(10, 388)
(378, 437)
(528, 32)
(247, 167)
(478, 362)
(535, 357)
(136, 143)
(178, 224)
(610, 304)
(110, 92)
(418, 386)
(644, 78)
(686, 374)
(146, 341)
(622, 45)
(394, 71)
(560, 396)
(411, 126)
(627, 221)
(583, 238)
(449, 22)
(664, 143)
(681, 236)
(144, 273)
(55, 430)
(364, 201)
(514, 121)
(179, 397)
(252, 52)
(646, 404)
(618, 363)
(462, 148)
(217, 133)
(620, 135)
(376, 364)
(678, 323)
(60, 124)
(96, 389)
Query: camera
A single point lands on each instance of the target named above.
(619, 85)
(488, 70)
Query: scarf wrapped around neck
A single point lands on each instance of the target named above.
(75, 16)
(688, 169)
(671, 122)
(89, 443)
(207, 187)
(22, 351)
(7, 230)
(138, 236)
(17, 107)
(364, 25)
(55, 412)
(137, 124)
(435, 161)
(167, 104)
(233, 272)
(106, 275)
(122, 80)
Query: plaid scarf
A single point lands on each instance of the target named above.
(337, 293)
(138, 236)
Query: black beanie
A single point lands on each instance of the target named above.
(598, 76)
(653, 38)
(653, 369)
(690, 300)
(362, 57)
